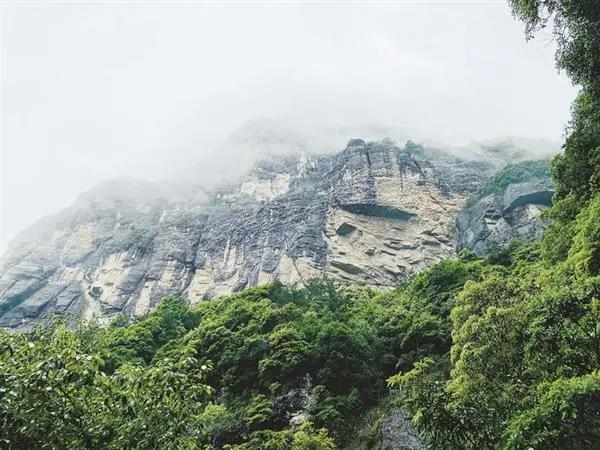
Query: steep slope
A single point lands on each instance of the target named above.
(508, 207)
(374, 213)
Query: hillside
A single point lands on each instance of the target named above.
(385, 297)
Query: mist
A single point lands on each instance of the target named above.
(150, 90)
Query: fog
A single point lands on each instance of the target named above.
(148, 89)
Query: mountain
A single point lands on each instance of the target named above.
(374, 213)
(262, 138)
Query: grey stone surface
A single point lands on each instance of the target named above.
(499, 218)
(398, 433)
(373, 213)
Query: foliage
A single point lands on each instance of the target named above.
(512, 173)
(523, 367)
(268, 353)
(577, 170)
(517, 333)
(140, 341)
(565, 417)
(576, 27)
(494, 352)
(53, 394)
(305, 438)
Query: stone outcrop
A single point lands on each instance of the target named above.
(374, 213)
(398, 433)
(499, 218)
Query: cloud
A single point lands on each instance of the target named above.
(95, 91)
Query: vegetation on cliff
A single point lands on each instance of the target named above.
(229, 372)
(512, 173)
(523, 368)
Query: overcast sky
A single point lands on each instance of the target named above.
(107, 89)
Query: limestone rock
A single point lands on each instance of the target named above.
(499, 218)
(374, 213)
(398, 433)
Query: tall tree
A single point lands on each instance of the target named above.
(576, 28)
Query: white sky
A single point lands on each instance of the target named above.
(99, 89)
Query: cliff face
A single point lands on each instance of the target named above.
(514, 214)
(373, 213)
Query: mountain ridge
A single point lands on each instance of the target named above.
(374, 213)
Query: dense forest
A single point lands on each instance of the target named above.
(494, 352)
(235, 370)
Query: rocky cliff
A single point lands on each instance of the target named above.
(374, 213)
(497, 219)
